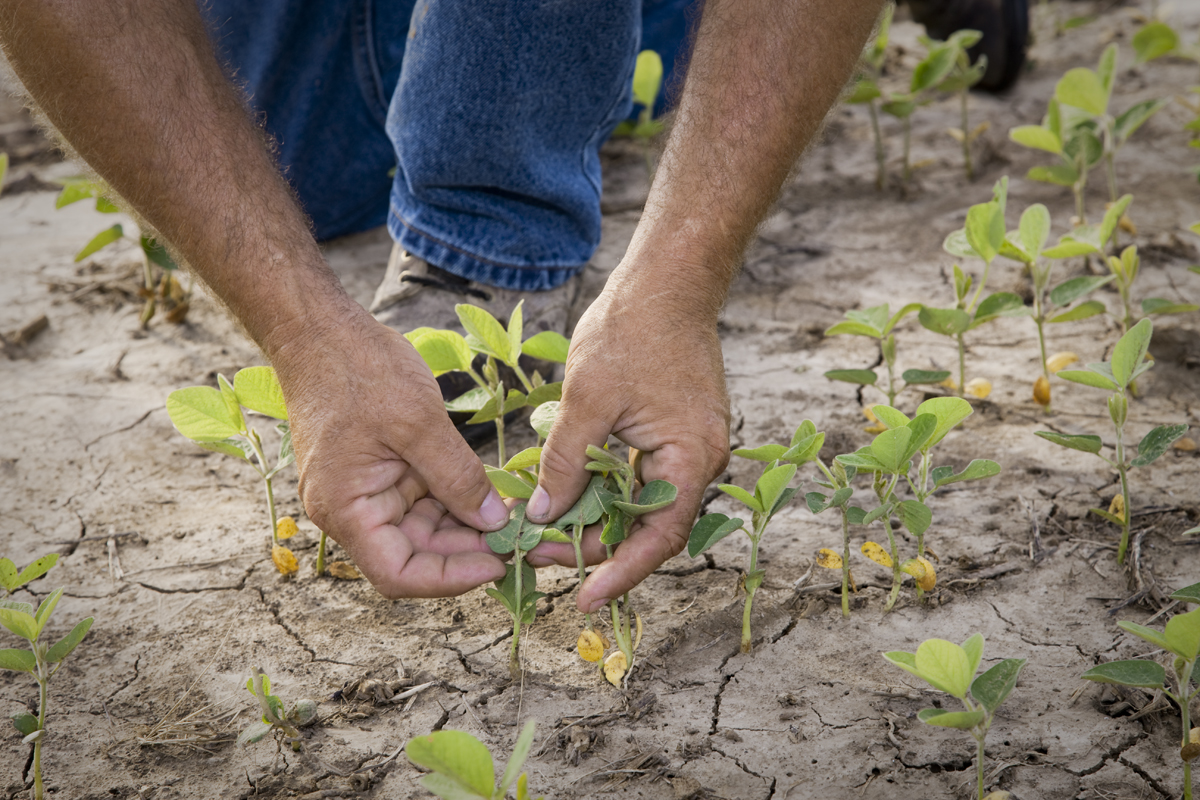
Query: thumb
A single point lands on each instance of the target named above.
(562, 477)
(456, 478)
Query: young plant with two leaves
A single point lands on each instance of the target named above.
(889, 459)
(160, 285)
(951, 668)
(838, 482)
(1117, 376)
(981, 237)
(770, 495)
(866, 89)
(276, 717)
(460, 766)
(877, 323)
(490, 401)
(1181, 639)
(1082, 131)
(42, 660)
(213, 419)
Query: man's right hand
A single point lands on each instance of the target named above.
(382, 469)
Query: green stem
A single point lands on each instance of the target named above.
(970, 308)
(1125, 515)
(880, 155)
(1185, 702)
(891, 391)
(885, 497)
(979, 764)
(1077, 188)
(321, 555)
(1111, 168)
(524, 380)
(966, 142)
(39, 789)
(514, 662)
(577, 541)
(500, 438)
(962, 365)
(264, 470)
(746, 641)
(845, 562)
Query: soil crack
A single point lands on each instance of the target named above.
(747, 770)
(274, 609)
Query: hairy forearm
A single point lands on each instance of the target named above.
(762, 75)
(135, 89)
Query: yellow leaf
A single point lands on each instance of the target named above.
(286, 528)
(1186, 445)
(828, 559)
(877, 554)
(869, 414)
(344, 570)
(978, 131)
(1126, 224)
(285, 560)
(1117, 507)
(955, 134)
(590, 646)
(1060, 361)
(1041, 391)
(949, 383)
(978, 387)
(615, 667)
(922, 571)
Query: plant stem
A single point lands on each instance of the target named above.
(1111, 169)
(845, 562)
(891, 390)
(321, 555)
(500, 439)
(979, 764)
(577, 541)
(1122, 470)
(962, 365)
(880, 155)
(966, 143)
(264, 470)
(1078, 188)
(271, 511)
(524, 380)
(746, 642)
(148, 283)
(907, 141)
(514, 663)
(43, 680)
(885, 497)
(1185, 702)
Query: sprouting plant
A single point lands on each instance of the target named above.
(160, 286)
(1157, 39)
(517, 591)
(213, 419)
(982, 237)
(962, 76)
(889, 458)
(838, 482)
(877, 323)
(771, 493)
(448, 351)
(950, 668)
(41, 660)
(276, 717)
(1180, 638)
(460, 766)
(866, 87)
(1080, 129)
(1117, 376)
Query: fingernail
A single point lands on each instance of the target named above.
(539, 505)
(493, 511)
(599, 604)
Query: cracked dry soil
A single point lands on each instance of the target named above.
(88, 454)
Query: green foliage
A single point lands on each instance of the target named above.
(460, 767)
(878, 323)
(276, 717)
(951, 668)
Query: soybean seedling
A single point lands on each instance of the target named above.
(950, 668)
(838, 481)
(877, 323)
(160, 286)
(1080, 129)
(447, 351)
(866, 89)
(1117, 376)
(41, 660)
(982, 237)
(276, 718)
(962, 76)
(460, 766)
(213, 419)
(889, 458)
(771, 494)
(1181, 639)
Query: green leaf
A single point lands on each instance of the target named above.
(74, 190)
(1036, 137)
(615, 530)
(1088, 378)
(1136, 672)
(516, 331)
(590, 506)
(546, 393)
(606, 460)
(905, 661)
(1154, 40)
(1082, 311)
(68, 643)
(973, 647)
(101, 240)
(529, 457)
(8, 574)
(945, 666)
(985, 229)
(899, 107)
(157, 253)
(994, 686)
(710, 529)
(949, 411)
(491, 337)
(1082, 88)
(19, 622)
(1112, 217)
(946, 321)
(854, 329)
(443, 351)
(654, 495)
(470, 401)
(542, 418)
(24, 722)
(1157, 442)
(861, 376)
(229, 397)
(1150, 635)
(201, 414)
(255, 732)
(956, 244)
(889, 449)
(505, 540)
(239, 448)
(923, 427)
(509, 485)
(106, 206)
(999, 304)
(977, 470)
(531, 536)
(1130, 351)
(1034, 229)
(861, 460)
(915, 516)
(914, 377)
(515, 400)
(551, 534)
(899, 315)
(647, 78)
(891, 417)
(34, 571)
(1071, 290)
(1188, 594)
(1086, 444)
(738, 493)
(772, 483)
(456, 756)
(767, 452)
(1157, 305)
(258, 389)
(1183, 634)
(46, 608)
(1135, 116)
(519, 754)
(962, 720)
(18, 661)
(805, 450)
(932, 69)
(864, 91)
(548, 346)
(1113, 518)
(1060, 175)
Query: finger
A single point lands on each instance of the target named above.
(550, 553)
(562, 477)
(422, 527)
(456, 477)
(391, 563)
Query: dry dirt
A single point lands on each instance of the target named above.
(88, 456)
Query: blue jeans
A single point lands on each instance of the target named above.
(491, 112)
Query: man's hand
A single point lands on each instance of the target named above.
(372, 440)
(649, 370)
